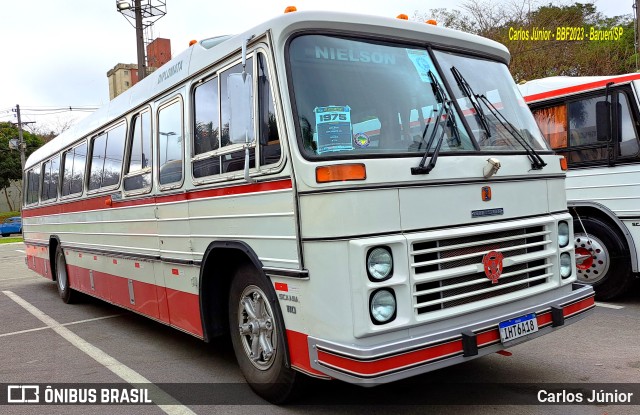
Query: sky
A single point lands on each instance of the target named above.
(57, 53)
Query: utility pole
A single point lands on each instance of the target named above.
(142, 70)
(21, 144)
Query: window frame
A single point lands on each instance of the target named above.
(255, 146)
(127, 157)
(63, 165)
(92, 139)
(614, 93)
(172, 99)
(39, 180)
(42, 164)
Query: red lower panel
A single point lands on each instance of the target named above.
(379, 366)
(177, 308)
(299, 352)
(184, 311)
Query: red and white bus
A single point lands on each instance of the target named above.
(593, 122)
(350, 197)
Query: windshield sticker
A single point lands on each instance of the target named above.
(333, 126)
(362, 140)
(422, 62)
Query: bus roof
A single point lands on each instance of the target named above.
(556, 86)
(207, 52)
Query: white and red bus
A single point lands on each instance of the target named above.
(593, 122)
(349, 197)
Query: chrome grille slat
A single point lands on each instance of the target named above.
(488, 290)
(475, 254)
(482, 280)
(445, 274)
(470, 244)
(449, 272)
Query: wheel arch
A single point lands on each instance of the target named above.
(597, 210)
(54, 242)
(219, 263)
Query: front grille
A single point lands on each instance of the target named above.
(449, 272)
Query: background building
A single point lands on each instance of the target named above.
(125, 75)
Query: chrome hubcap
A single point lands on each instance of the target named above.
(592, 258)
(257, 328)
(61, 272)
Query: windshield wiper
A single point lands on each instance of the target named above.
(468, 92)
(537, 163)
(445, 108)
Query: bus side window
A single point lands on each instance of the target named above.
(50, 179)
(139, 167)
(33, 184)
(553, 124)
(206, 137)
(170, 143)
(234, 161)
(269, 139)
(629, 136)
(75, 161)
(106, 158)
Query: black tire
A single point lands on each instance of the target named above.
(267, 375)
(4, 235)
(68, 295)
(608, 268)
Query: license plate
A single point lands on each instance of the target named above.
(518, 327)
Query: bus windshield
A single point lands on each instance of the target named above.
(356, 97)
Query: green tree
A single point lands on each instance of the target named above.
(10, 168)
(531, 59)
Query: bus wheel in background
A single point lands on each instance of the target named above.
(257, 334)
(602, 258)
(62, 278)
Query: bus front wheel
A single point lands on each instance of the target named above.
(602, 258)
(257, 334)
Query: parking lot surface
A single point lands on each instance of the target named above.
(44, 341)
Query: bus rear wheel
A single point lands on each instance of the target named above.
(62, 278)
(602, 258)
(257, 334)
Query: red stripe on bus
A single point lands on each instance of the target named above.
(299, 352)
(379, 366)
(98, 203)
(579, 88)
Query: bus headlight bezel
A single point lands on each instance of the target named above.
(565, 265)
(563, 234)
(377, 256)
(383, 306)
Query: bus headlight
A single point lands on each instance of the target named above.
(563, 234)
(383, 306)
(565, 265)
(379, 264)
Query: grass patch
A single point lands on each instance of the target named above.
(8, 240)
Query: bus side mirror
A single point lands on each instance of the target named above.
(603, 120)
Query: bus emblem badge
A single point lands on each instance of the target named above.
(486, 193)
(492, 262)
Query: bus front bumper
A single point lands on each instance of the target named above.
(410, 357)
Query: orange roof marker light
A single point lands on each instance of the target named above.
(291, 9)
(402, 16)
(193, 42)
(432, 21)
(340, 173)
